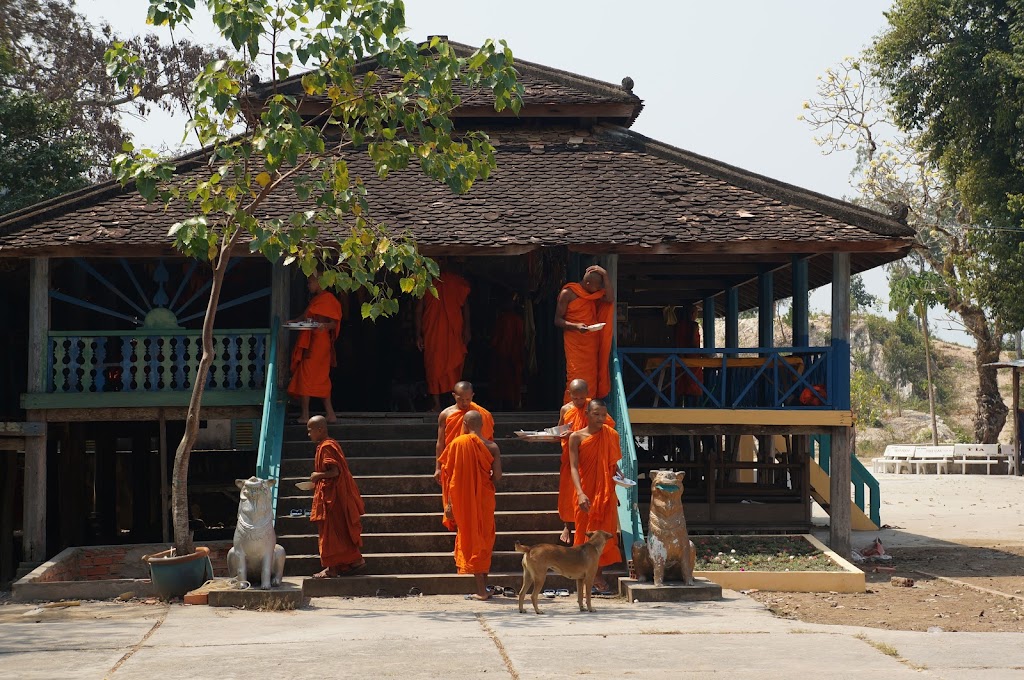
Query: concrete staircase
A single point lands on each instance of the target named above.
(404, 542)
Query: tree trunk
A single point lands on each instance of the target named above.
(991, 411)
(928, 369)
(179, 483)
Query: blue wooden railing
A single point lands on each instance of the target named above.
(153, 360)
(268, 458)
(863, 480)
(737, 378)
(629, 512)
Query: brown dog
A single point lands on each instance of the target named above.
(668, 552)
(579, 562)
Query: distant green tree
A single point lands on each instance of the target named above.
(41, 156)
(859, 295)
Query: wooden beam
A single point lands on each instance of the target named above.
(740, 417)
(685, 268)
(637, 284)
(765, 248)
(9, 429)
(732, 317)
(34, 510)
(74, 415)
(766, 310)
(801, 302)
(840, 465)
(709, 323)
(97, 401)
(654, 429)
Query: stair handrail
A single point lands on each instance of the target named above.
(630, 525)
(268, 459)
(860, 476)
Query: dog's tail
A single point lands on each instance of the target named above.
(522, 548)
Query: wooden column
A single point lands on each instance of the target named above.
(766, 310)
(165, 492)
(839, 473)
(709, 323)
(801, 303)
(611, 265)
(732, 317)
(1015, 441)
(34, 522)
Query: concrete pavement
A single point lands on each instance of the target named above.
(445, 636)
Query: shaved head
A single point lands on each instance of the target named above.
(597, 403)
(463, 393)
(316, 428)
(579, 386)
(463, 386)
(473, 422)
(592, 282)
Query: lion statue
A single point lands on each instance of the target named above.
(255, 550)
(668, 552)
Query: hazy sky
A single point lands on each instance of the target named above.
(722, 79)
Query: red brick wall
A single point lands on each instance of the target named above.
(101, 562)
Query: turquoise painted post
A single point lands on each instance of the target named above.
(268, 457)
(709, 323)
(801, 303)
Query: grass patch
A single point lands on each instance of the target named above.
(884, 648)
(760, 553)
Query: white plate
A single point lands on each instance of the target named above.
(305, 486)
(622, 481)
(596, 326)
(537, 436)
(303, 325)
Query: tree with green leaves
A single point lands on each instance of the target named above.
(372, 92)
(920, 290)
(54, 53)
(894, 172)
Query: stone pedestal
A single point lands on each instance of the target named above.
(219, 593)
(702, 589)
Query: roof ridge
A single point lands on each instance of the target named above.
(872, 220)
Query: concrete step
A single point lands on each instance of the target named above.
(402, 523)
(424, 464)
(405, 563)
(373, 485)
(425, 502)
(410, 447)
(424, 542)
(26, 568)
(422, 425)
(398, 585)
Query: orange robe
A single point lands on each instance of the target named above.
(508, 344)
(576, 420)
(453, 428)
(466, 480)
(688, 335)
(586, 354)
(599, 454)
(337, 507)
(444, 352)
(311, 376)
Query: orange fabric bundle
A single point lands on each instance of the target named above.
(443, 349)
(311, 376)
(337, 507)
(576, 419)
(599, 454)
(466, 481)
(586, 354)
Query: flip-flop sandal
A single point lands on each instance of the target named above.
(597, 591)
(415, 592)
(476, 598)
(562, 592)
(548, 593)
(382, 593)
(295, 512)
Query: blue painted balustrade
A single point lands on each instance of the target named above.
(153, 361)
(736, 378)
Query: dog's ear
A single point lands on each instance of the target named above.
(271, 483)
(681, 475)
(590, 534)
(240, 483)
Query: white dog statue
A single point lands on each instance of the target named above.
(255, 544)
(669, 552)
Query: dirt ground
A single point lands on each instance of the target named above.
(931, 602)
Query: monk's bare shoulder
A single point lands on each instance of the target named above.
(443, 415)
(492, 447)
(578, 436)
(564, 410)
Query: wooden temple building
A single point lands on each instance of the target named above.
(103, 319)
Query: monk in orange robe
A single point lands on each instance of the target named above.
(449, 423)
(313, 355)
(337, 506)
(443, 333)
(508, 355)
(594, 457)
(470, 467)
(573, 414)
(581, 305)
